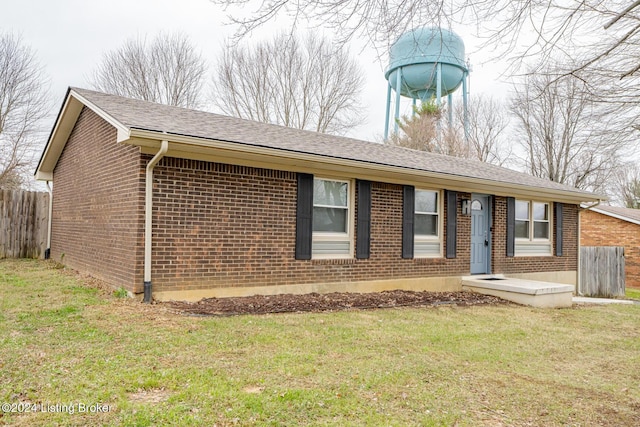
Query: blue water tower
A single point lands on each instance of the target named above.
(424, 63)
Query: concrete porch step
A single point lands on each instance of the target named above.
(521, 291)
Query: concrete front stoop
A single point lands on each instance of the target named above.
(526, 292)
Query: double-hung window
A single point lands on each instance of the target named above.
(332, 218)
(426, 226)
(532, 228)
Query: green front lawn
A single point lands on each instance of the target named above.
(66, 343)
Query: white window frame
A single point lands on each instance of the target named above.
(532, 246)
(425, 239)
(327, 236)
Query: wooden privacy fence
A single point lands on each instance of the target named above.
(602, 271)
(23, 223)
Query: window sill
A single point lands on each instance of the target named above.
(435, 260)
(526, 255)
(333, 261)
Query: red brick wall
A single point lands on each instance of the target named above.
(98, 202)
(219, 225)
(597, 229)
(500, 263)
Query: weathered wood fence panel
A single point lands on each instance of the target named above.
(602, 271)
(23, 223)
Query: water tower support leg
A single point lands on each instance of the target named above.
(465, 106)
(438, 100)
(386, 122)
(438, 83)
(398, 90)
(450, 108)
(413, 110)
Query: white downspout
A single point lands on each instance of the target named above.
(47, 251)
(148, 218)
(579, 278)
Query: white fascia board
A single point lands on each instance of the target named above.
(61, 130)
(44, 176)
(371, 171)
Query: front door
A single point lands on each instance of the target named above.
(479, 234)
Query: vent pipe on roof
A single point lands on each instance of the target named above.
(148, 218)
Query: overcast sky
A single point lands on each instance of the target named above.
(70, 36)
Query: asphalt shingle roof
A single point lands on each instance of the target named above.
(633, 214)
(136, 114)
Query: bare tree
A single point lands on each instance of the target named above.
(23, 104)
(595, 39)
(168, 71)
(627, 190)
(376, 21)
(486, 124)
(565, 133)
(429, 129)
(543, 25)
(306, 84)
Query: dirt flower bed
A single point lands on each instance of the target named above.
(262, 304)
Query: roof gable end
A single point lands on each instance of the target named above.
(65, 122)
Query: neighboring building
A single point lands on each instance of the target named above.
(614, 226)
(241, 207)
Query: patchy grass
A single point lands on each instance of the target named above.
(633, 293)
(63, 342)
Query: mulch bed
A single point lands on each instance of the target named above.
(261, 304)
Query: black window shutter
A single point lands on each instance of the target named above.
(363, 227)
(408, 213)
(558, 222)
(452, 219)
(511, 226)
(304, 216)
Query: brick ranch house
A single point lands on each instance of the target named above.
(184, 204)
(614, 226)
